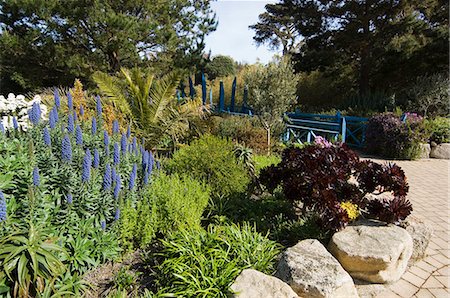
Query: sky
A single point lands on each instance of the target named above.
(233, 37)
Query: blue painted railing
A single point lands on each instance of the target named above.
(303, 127)
(300, 127)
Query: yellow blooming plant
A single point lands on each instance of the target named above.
(351, 209)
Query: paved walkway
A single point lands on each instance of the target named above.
(429, 194)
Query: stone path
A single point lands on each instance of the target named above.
(429, 194)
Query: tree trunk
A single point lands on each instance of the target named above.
(364, 71)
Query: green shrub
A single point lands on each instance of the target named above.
(439, 129)
(262, 161)
(172, 202)
(243, 130)
(200, 263)
(212, 160)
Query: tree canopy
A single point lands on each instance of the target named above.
(46, 43)
(220, 66)
(363, 45)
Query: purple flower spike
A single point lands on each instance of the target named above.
(69, 101)
(146, 175)
(34, 114)
(3, 214)
(103, 225)
(47, 139)
(15, 123)
(134, 145)
(78, 135)
(55, 114)
(115, 128)
(70, 123)
(113, 175)
(107, 178)
(96, 158)
(66, 149)
(81, 111)
(57, 99)
(75, 117)
(94, 126)
(105, 138)
(87, 163)
(117, 187)
(128, 131)
(36, 178)
(98, 105)
(117, 215)
(69, 199)
(2, 128)
(132, 177)
(51, 119)
(123, 144)
(116, 155)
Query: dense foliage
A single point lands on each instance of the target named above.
(172, 203)
(320, 176)
(204, 263)
(220, 66)
(149, 104)
(76, 38)
(388, 136)
(345, 48)
(211, 159)
(439, 129)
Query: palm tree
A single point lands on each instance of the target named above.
(149, 103)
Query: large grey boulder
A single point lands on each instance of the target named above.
(312, 271)
(373, 251)
(441, 151)
(420, 233)
(254, 284)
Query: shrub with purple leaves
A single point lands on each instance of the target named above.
(388, 136)
(320, 178)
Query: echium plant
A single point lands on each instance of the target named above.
(320, 177)
(87, 163)
(3, 214)
(66, 149)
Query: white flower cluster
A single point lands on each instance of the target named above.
(17, 106)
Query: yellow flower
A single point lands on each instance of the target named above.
(351, 209)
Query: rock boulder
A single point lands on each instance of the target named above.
(254, 284)
(420, 234)
(312, 271)
(441, 151)
(373, 251)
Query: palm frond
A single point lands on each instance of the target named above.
(111, 87)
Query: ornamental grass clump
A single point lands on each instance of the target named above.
(331, 181)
